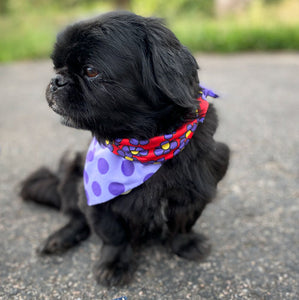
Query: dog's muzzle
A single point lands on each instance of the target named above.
(59, 81)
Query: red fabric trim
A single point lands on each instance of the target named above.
(159, 148)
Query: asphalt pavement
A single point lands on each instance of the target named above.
(253, 224)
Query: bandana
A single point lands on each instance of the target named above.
(119, 166)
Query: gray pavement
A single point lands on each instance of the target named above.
(253, 224)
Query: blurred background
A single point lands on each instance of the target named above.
(28, 28)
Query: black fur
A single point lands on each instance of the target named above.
(147, 85)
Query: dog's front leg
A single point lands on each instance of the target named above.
(115, 264)
(181, 218)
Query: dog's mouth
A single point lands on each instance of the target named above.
(67, 121)
(64, 118)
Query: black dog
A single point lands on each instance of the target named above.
(124, 76)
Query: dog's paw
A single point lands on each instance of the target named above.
(191, 246)
(52, 245)
(115, 268)
(65, 238)
(113, 274)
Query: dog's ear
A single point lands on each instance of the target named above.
(173, 68)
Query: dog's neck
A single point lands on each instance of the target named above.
(168, 121)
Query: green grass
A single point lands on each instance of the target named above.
(231, 36)
(31, 34)
(26, 39)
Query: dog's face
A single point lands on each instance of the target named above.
(122, 76)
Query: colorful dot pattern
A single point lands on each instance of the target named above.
(107, 175)
(160, 148)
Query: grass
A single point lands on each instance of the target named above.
(231, 36)
(31, 34)
(22, 39)
(260, 28)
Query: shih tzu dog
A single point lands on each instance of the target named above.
(152, 165)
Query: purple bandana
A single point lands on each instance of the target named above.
(107, 175)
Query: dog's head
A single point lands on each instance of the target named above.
(122, 76)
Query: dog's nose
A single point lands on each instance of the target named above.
(58, 82)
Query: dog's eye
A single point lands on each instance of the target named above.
(91, 72)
